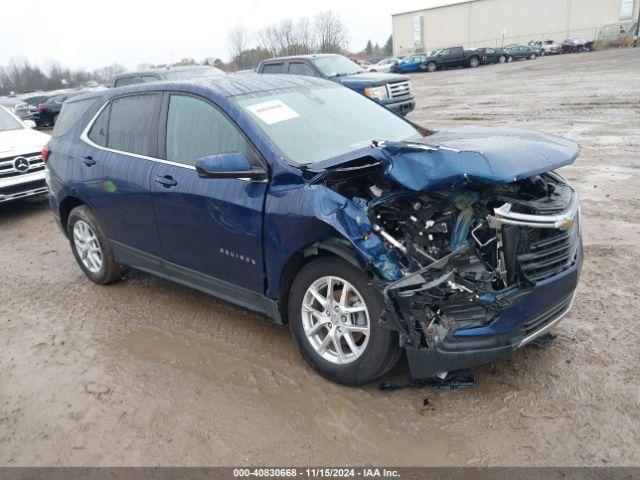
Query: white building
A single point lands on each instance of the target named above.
(479, 23)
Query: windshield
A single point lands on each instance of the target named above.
(311, 124)
(7, 122)
(336, 65)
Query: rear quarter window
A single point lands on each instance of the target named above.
(272, 68)
(123, 81)
(70, 114)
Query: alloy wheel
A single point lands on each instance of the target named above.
(335, 320)
(87, 246)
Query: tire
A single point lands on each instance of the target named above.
(432, 67)
(509, 59)
(378, 350)
(474, 62)
(502, 59)
(423, 67)
(374, 70)
(533, 56)
(79, 220)
(54, 119)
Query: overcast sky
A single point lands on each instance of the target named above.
(91, 34)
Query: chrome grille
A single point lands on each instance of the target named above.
(8, 169)
(546, 252)
(399, 89)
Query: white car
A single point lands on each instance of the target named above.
(383, 65)
(21, 165)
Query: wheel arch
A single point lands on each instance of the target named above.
(66, 205)
(331, 247)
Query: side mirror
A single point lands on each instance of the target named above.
(229, 165)
(29, 123)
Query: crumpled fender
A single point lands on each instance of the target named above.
(349, 218)
(493, 156)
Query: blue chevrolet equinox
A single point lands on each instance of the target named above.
(308, 202)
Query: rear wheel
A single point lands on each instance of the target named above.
(532, 56)
(90, 247)
(333, 317)
(474, 62)
(509, 59)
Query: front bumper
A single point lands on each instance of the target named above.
(403, 107)
(532, 316)
(22, 186)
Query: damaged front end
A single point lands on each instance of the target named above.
(471, 271)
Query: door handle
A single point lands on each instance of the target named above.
(88, 161)
(167, 181)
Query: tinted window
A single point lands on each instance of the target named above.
(195, 129)
(272, 68)
(69, 115)
(149, 78)
(132, 124)
(445, 51)
(98, 132)
(121, 82)
(301, 69)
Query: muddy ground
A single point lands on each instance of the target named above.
(145, 372)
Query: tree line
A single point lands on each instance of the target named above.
(324, 33)
(21, 76)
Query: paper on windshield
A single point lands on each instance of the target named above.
(273, 111)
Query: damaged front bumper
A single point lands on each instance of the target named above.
(531, 316)
(513, 324)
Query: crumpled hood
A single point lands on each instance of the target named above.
(455, 157)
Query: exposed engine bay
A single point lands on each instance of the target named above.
(455, 258)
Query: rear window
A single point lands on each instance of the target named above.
(69, 115)
(133, 124)
(272, 68)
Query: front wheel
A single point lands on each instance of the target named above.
(502, 59)
(474, 62)
(333, 316)
(431, 67)
(532, 56)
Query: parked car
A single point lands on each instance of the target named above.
(391, 90)
(522, 52)
(158, 74)
(411, 63)
(546, 47)
(493, 55)
(305, 201)
(40, 98)
(18, 107)
(50, 110)
(577, 45)
(383, 65)
(451, 57)
(21, 165)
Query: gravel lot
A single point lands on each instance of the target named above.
(145, 372)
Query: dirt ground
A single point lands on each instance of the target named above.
(146, 372)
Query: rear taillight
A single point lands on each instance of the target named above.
(41, 108)
(45, 153)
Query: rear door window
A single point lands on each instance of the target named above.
(69, 115)
(196, 129)
(299, 68)
(123, 81)
(272, 68)
(133, 124)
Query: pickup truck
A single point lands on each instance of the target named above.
(389, 89)
(452, 57)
